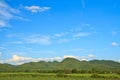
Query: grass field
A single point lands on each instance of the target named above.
(50, 76)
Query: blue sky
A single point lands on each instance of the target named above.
(55, 29)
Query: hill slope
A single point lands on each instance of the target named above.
(66, 64)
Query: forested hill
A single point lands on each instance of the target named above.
(66, 64)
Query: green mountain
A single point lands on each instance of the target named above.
(106, 62)
(66, 64)
(6, 67)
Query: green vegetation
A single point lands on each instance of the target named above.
(52, 76)
(68, 69)
(68, 65)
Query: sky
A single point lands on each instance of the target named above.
(48, 30)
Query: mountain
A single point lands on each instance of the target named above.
(106, 62)
(6, 67)
(70, 63)
(66, 64)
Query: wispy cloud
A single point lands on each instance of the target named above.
(82, 34)
(57, 35)
(30, 39)
(16, 42)
(7, 13)
(3, 23)
(83, 30)
(114, 44)
(36, 9)
(62, 37)
(37, 39)
(62, 40)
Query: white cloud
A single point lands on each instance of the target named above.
(87, 58)
(7, 13)
(69, 56)
(51, 59)
(17, 60)
(115, 44)
(36, 9)
(57, 59)
(1, 61)
(82, 34)
(91, 56)
(84, 59)
(119, 60)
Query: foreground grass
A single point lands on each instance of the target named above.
(53, 78)
(50, 76)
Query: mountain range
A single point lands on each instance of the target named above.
(66, 64)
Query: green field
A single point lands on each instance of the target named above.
(52, 76)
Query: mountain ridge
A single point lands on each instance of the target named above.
(66, 64)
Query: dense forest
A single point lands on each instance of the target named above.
(68, 65)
